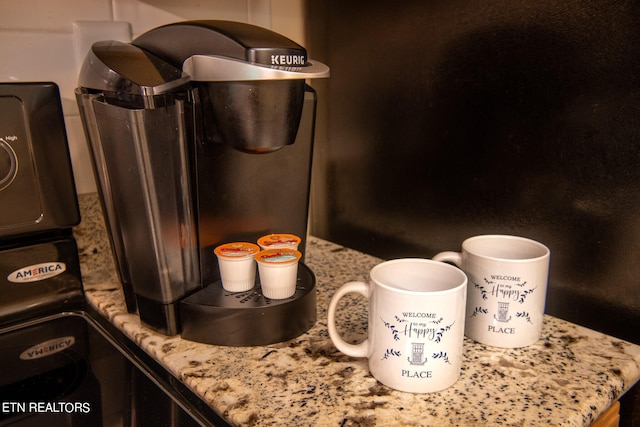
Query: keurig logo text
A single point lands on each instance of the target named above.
(287, 60)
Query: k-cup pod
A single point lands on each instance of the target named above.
(507, 288)
(237, 265)
(274, 241)
(278, 270)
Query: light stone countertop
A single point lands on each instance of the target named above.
(568, 378)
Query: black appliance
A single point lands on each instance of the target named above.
(38, 200)
(201, 134)
(62, 363)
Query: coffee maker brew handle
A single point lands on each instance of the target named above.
(353, 350)
(222, 69)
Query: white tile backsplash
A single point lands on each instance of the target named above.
(143, 16)
(36, 56)
(232, 10)
(46, 40)
(80, 156)
(51, 15)
(259, 13)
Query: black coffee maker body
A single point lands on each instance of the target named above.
(201, 133)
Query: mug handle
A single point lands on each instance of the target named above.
(354, 350)
(449, 256)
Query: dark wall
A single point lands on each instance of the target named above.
(447, 119)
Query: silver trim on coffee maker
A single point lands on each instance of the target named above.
(222, 69)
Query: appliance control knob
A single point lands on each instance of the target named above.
(8, 164)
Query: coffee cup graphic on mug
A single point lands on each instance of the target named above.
(507, 288)
(415, 324)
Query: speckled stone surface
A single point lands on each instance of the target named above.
(567, 378)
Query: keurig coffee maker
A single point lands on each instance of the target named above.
(201, 133)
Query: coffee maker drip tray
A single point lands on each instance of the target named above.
(216, 316)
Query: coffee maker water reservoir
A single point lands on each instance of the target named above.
(201, 133)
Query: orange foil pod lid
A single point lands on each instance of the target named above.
(279, 241)
(279, 256)
(237, 250)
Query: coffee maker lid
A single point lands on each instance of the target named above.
(120, 67)
(210, 50)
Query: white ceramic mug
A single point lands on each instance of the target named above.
(415, 326)
(507, 288)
